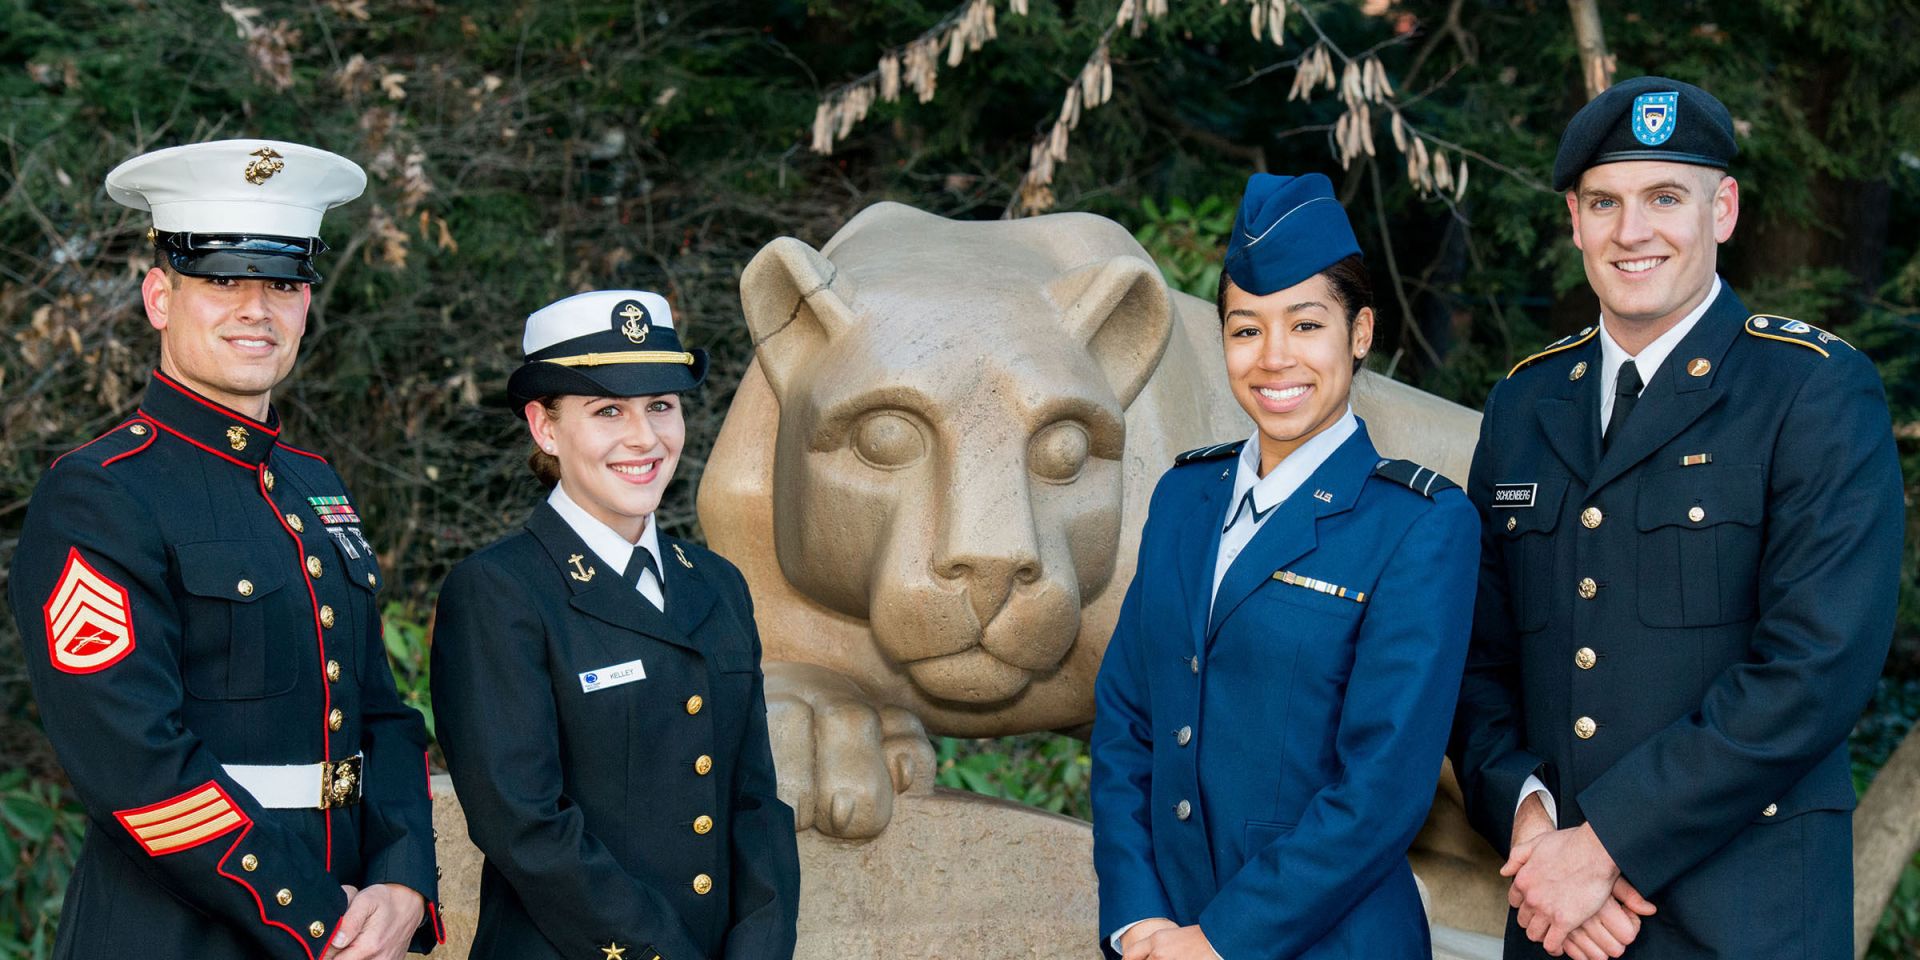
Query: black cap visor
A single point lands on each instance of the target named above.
(542, 378)
(241, 256)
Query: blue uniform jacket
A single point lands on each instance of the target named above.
(1263, 771)
(1676, 635)
(640, 819)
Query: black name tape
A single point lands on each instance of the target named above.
(1511, 495)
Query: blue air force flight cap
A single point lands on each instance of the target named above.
(1646, 118)
(1287, 229)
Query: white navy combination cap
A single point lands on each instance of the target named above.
(246, 209)
(604, 343)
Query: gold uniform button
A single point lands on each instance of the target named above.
(1591, 517)
(1772, 808)
(1585, 658)
(703, 824)
(267, 478)
(694, 703)
(138, 429)
(326, 616)
(317, 928)
(1696, 514)
(371, 581)
(245, 587)
(313, 566)
(703, 765)
(298, 525)
(333, 671)
(1588, 589)
(1513, 523)
(249, 863)
(336, 719)
(284, 897)
(1585, 728)
(702, 884)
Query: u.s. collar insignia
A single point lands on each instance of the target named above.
(631, 321)
(237, 437)
(582, 574)
(1654, 117)
(1323, 496)
(1699, 366)
(683, 557)
(266, 162)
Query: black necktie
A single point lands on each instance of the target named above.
(1246, 503)
(1626, 393)
(642, 559)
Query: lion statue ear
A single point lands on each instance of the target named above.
(1121, 310)
(795, 303)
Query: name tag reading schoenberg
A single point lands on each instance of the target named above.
(612, 676)
(1513, 494)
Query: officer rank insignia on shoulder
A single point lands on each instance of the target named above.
(1567, 342)
(1414, 477)
(1766, 326)
(1219, 451)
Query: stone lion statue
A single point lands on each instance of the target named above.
(935, 474)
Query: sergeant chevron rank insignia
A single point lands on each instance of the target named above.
(89, 621)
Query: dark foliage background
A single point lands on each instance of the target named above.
(521, 151)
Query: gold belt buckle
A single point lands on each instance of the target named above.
(339, 782)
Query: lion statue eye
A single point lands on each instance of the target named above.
(1058, 451)
(889, 441)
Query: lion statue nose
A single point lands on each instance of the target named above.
(989, 580)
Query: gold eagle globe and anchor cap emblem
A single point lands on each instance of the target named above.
(237, 437)
(632, 321)
(267, 162)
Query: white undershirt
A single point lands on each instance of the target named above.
(608, 545)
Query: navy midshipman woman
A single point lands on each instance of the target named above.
(598, 683)
(1272, 708)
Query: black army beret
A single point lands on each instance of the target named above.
(1646, 118)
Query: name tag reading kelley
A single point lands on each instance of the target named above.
(612, 676)
(1512, 495)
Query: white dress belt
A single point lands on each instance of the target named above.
(294, 786)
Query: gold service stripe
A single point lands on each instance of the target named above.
(197, 834)
(173, 809)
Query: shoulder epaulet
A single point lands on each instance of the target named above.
(1414, 477)
(1567, 342)
(117, 444)
(1219, 451)
(1766, 326)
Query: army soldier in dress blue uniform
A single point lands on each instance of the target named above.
(199, 612)
(598, 682)
(1271, 711)
(1692, 543)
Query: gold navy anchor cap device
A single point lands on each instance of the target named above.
(604, 343)
(239, 209)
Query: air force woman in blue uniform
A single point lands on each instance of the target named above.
(1272, 708)
(598, 682)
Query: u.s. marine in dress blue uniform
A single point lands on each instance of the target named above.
(1676, 633)
(612, 756)
(199, 611)
(1264, 753)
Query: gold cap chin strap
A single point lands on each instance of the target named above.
(624, 356)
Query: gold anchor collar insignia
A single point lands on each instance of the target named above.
(237, 437)
(265, 164)
(582, 574)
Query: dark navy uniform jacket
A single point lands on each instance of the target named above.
(1263, 772)
(193, 592)
(640, 817)
(1677, 636)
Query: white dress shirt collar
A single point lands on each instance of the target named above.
(612, 548)
(1650, 358)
